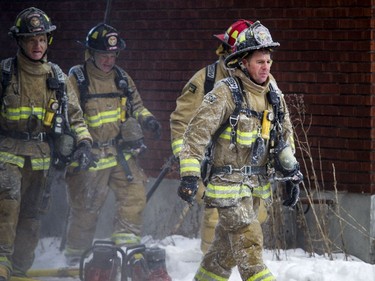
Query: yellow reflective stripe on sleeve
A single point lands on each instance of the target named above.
(204, 275)
(79, 130)
(38, 164)
(243, 138)
(22, 113)
(10, 158)
(103, 118)
(264, 275)
(82, 133)
(143, 113)
(227, 191)
(177, 146)
(263, 192)
(190, 165)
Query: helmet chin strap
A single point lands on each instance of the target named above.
(94, 62)
(244, 70)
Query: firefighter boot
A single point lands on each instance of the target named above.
(4, 273)
(155, 258)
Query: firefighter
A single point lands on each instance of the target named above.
(38, 106)
(115, 115)
(191, 97)
(242, 155)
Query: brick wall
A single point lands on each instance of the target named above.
(325, 57)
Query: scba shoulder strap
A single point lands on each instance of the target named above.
(59, 74)
(7, 67)
(80, 73)
(209, 82)
(236, 89)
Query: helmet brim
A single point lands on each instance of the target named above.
(120, 48)
(49, 30)
(221, 37)
(231, 60)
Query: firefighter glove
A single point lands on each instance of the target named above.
(293, 192)
(154, 126)
(297, 178)
(84, 156)
(188, 188)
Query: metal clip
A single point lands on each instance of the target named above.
(245, 170)
(233, 120)
(230, 169)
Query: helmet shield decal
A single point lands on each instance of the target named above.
(262, 35)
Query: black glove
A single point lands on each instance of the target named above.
(188, 188)
(154, 126)
(84, 157)
(293, 192)
(297, 178)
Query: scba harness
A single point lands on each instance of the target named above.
(58, 133)
(126, 101)
(276, 117)
(80, 73)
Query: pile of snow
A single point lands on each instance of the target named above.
(184, 256)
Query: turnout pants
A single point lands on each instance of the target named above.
(238, 242)
(21, 196)
(211, 218)
(87, 192)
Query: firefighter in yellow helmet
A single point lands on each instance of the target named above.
(39, 111)
(115, 115)
(191, 97)
(248, 114)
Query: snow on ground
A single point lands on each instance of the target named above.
(184, 255)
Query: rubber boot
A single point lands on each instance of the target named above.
(155, 258)
(4, 273)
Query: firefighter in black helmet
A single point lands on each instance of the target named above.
(115, 115)
(250, 114)
(31, 101)
(31, 22)
(200, 84)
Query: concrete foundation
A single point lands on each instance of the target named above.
(348, 224)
